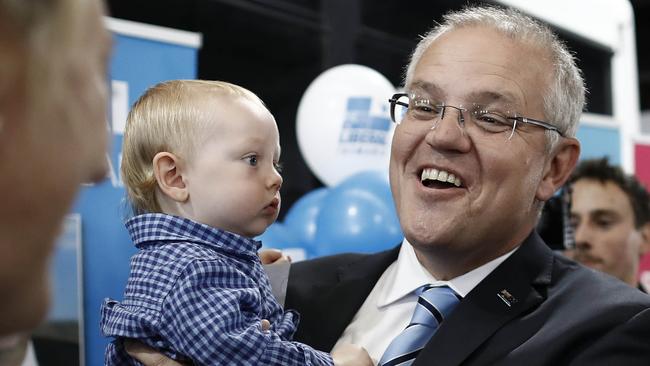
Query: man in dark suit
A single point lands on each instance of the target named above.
(485, 135)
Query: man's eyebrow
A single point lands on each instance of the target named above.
(427, 87)
(481, 96)
(604, 213)
(490, 96)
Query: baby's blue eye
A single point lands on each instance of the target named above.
(252, 160)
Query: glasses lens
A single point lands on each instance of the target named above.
(400, 108)
(492, 121)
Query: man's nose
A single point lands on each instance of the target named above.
(582, 237)
(448, 131)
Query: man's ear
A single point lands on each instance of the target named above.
(645, 238)
(558, 168)
(168, 171)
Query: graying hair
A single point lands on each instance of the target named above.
(564, 97)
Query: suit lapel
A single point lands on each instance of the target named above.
(339, 303)
(507, 292)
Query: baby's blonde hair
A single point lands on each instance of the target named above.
(168, 117)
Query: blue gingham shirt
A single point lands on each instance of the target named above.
(199, 293)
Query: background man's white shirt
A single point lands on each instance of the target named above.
(30, 357)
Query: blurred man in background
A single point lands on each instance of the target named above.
(53, 138)
(610, 213)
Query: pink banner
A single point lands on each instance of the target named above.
(642, 165)
(642, 172)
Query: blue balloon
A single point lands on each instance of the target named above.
(277, 236)
(372, 181)
(301, 217)
(355, 220)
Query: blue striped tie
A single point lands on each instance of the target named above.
(434, 305)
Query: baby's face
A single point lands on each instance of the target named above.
(233, 178)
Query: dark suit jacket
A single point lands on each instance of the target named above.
(56, 352)
(559, 313)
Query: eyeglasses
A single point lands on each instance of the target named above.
(414, 108)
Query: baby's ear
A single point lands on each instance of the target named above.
(169, 175)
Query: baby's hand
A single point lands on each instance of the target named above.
(269, 256)
(351, 355)
(147, 355)
(266, 325)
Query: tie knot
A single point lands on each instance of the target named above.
(434, 305)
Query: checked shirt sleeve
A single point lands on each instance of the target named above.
(212, 316)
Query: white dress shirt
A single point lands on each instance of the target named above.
(30, 356)
(17, 343)
(390, 305)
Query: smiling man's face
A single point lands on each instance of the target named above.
(493, 204)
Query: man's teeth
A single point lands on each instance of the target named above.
(441, 176)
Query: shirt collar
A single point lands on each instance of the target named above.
(408, 274)
(153, 228)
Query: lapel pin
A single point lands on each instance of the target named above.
(506, 297)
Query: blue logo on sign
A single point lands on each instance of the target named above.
(364, 132)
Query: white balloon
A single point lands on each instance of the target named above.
(343, 123)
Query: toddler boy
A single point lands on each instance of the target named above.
(200, 163)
